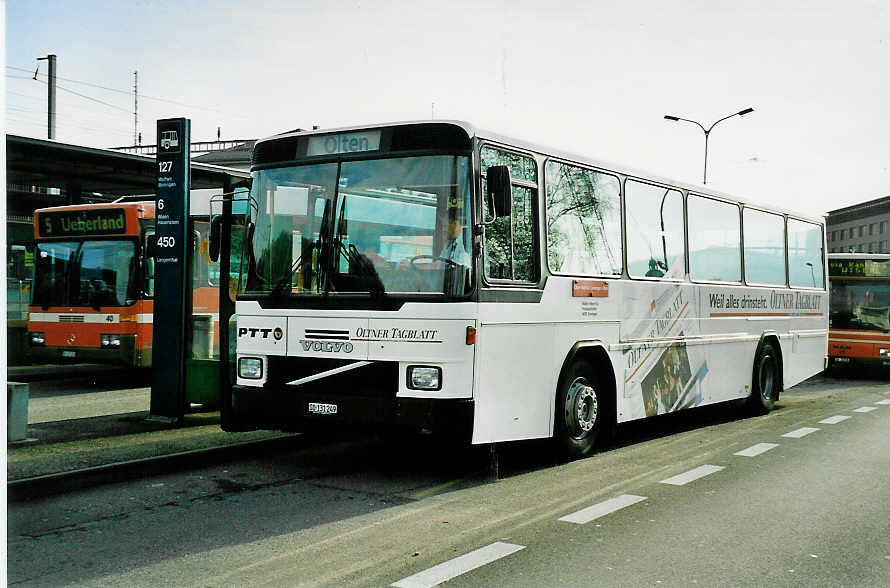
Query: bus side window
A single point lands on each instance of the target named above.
(764, 247)
(511, 242)
(715, 239)
(655, 240)
(583, 221)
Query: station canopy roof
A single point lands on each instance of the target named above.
(96, 174)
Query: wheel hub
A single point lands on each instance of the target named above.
(581, 408)
(767, 377)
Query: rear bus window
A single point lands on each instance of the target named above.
(805, 254)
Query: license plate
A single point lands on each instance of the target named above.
(320, 408)
(68, 354)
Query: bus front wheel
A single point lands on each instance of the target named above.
(765, 380)
(580, 410)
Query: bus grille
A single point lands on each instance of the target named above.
(71, 318)
(380, 379)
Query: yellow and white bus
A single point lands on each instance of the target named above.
(584, 294)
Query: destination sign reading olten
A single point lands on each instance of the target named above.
(73, 223)
(343, 143)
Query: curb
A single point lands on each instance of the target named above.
(52, 484)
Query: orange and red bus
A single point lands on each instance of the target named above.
(859, 305)
(94, 286)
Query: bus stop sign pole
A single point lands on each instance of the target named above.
(172, 296)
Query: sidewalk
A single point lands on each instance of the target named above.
(71, 432)
(67, 446)
(25, 373)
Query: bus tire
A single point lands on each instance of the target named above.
(580, 410)
(765, 380)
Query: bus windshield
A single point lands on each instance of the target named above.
(860, 304)
(386, 226)
(85, 273)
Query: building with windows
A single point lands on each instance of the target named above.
(861, 228)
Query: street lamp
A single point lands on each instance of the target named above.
(708, 131)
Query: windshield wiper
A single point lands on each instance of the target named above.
(285, 282)
(363, 267)
(357, 262)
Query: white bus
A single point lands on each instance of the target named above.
(582, 295)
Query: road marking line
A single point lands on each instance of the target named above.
(692, 475)
(459, 565)
(435, 489)
(885, 402)
(585, 515)
(865, 409)
(800, 433)
(834, 420)
(756, 450)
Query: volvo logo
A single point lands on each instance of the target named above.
(327, 346)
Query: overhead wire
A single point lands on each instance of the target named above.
(145, 96)
(67, 125)
(37, 75)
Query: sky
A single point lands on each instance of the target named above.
(589, 77)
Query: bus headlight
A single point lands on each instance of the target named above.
(424, 377)
(37, 339)
(111, 341)
(884, 352)
(250, 368)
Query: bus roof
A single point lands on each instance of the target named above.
(142, 206)
(875, 256)
(483, 135)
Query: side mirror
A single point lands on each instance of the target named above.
(213, 246)
(151, 246)
(500, 198)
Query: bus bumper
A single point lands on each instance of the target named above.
(288, 410)
(123, 355)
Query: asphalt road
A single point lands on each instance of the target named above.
(807, 510)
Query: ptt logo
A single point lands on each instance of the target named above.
(256, 333)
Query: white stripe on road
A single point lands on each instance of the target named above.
(602, 509)
(459, 565)
(692, 475)
(865, 409)
(756, 450)
(885, 402)
(800, 433)
(834, 420)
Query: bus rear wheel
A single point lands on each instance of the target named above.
(765, 380)
(580, 410)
